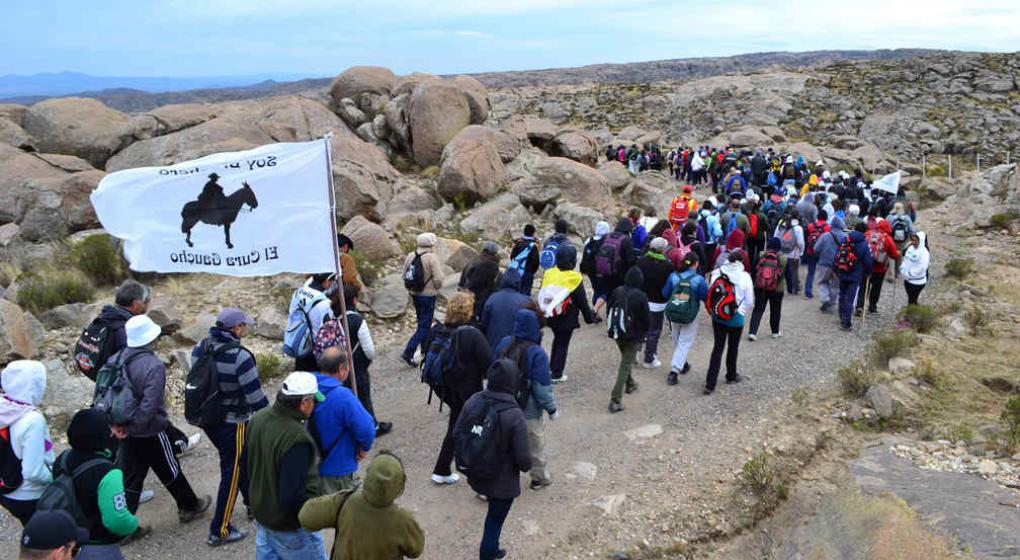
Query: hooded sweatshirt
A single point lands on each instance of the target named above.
(631, 297)
(733, 242)
(828, 244)
(498, 313)
(369, 525)
(807, 209)
(115, 316)
(479, 277)
(535, 363)
(743, 287)
(433, 267)
(655, 268)
(342, 426)
(24, 382)
(916, 261)
(891, 251)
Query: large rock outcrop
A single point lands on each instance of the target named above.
(368, 87)
(555, 178)
(78, 126)
(371, 240)
(363, 177)
(436, 113)
(472, 169)
(575, 144)
(19, 333)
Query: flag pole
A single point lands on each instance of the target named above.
(336, 260)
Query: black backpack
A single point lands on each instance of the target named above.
(114, 395)
(93, 347)
(202, 388)
(439, 360)
(10, 465)
(414, 275)
(477, 445)
(60, 495)
(523, 391)
(591, 247)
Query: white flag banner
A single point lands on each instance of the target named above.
(258, 212)
(888, 183)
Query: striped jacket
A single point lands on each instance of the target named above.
(240, 387)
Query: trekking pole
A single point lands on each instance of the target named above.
(867, 303)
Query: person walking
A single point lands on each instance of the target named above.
(561, 299)
(480, 277)
(423, 278)
(144, 444)
(309, 309)
(853, 263)
(791, 242)
(498, 312)
(343, 430)
(615, 256)
(815, 230)
(686, 290)
(524, 259)
(883, 251)
(24, 428)
(588, 253)
(284, 472)
(463, 376)
(769, 286)
(826, 248)
(513, 456)
(902, 226)
(240, 395)
(730, 298)
(367, 521)
(916, 261)
(656, 269)
(524, 348)
(348, 266)
(629, 321)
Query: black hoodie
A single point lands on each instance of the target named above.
(632, 298)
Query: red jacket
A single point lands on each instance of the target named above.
(885, 230)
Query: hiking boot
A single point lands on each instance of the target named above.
(615, 406)
(826, 307)
(687, 368)
(654, 364)
(140, 533)
(187, 516)
(500, 554)
(736, 379)
(777, 335)
(671, 378)
(707, 391)
(631, 388)
(383, 428)
(752, 337)
(453, 478)
(232, 537)
(146, 496)
(409, 360)
(560, 379)
(539, 484)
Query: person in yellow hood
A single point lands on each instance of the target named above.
(369, 525)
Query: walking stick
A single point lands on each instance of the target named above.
(867, 304)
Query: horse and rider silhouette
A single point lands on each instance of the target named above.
(213, 208)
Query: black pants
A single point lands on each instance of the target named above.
(725, 338)
(445, 459)
(913, 292)
(364, 390)
(499, 508)
(774, 299)
(306, 363)
(139, 454)
(873, 283)
(229, 442)
(20, 509)
(754, 249)
(178, 438)
(560, 346)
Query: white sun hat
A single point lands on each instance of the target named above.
(141, 331)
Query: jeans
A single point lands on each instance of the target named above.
(425, 309)
(913, 292)
(792, 275)
(754, 249)
(100, 552)
(652, 337)
(809, 280)
(628, 350)
(847, 293)
(229, 442)
(446, 450)
(598, 289)
(288, 545)
(560, 347)
(872, 288)
(536, 442)
(774, 299)
(527, 281)
(22, 510)
(724, 338)
(499, 508)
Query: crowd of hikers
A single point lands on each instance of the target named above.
(294, 461)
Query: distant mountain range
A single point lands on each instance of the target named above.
(144, 94)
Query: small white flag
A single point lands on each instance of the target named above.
(889, 183)
(258, 212)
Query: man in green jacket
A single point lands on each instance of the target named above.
(369, 526)
(283, 472)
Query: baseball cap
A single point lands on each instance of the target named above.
(688, 188)
(302, 384)
(50, 530)
(230, 318)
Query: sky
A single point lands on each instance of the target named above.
(185, 38)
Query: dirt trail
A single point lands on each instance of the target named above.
(661, 478)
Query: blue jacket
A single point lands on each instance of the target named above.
(497, 319)
(535, 361)
(341, 426)
(698, 284)
(828, 245)
(864, 262)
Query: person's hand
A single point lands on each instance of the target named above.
(361, 455)
(118, 431)
(554, 415)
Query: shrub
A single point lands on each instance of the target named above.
(959, 268)
(1011, 422)
(856, 378)
(368, 270)
(430, 172)
(43, 290)
(8, 272)
(97, 257)
(976, 320)
(922, 318)
(269, 365)
(931, 374)
(1003, 219)
(889, 345)
(763, 479)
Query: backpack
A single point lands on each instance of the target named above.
(620, 321)
(438, 361)
(772, 180)
(591, 247)
(677, 254)
(753, 220)
(93, 346)
(10, 466)
(679, 210)
(202, 397)
(608, 257)
(114, 395)
(520, 262)
(899, 230)
(814, 233)
(769, 273)
(722, 298)
(297, 338)
(846, 256)
(682, 306)
(876, 242)
(787, 240)
(61, 494)
(547, 258)
(731, 224)
(414, 274)
(523, 392)
(330, 334)
(478, 444)
(774, 214)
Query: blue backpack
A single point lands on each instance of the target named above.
(520, 262)
(297, 338)
(439, 360)
(772, 180)
(731, 224)
(547, 258)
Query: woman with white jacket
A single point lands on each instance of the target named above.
(914, 268)
(24, 427)
(726, 333)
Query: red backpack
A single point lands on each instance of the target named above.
(876, 242)
(846, 257)
(722, 298)
(814, 232)
(769, 272)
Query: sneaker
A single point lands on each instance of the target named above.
(826, 307)
(193, 441)
(408, 360)
(383, 428)
(560, 379)
(654, 364)
(633, 387)
(671, 378)
(232, 537)
(846, 328)
(809, 296)
(481, 497)
(146, 496)
(500, 554)
(777, 335)
(752, 337)
(873, 311)
(707, 391)
(539, 484)
(453, 478)
(687, 368)
(737, 379)
(615, 406)
(140, 533)
(188, 516)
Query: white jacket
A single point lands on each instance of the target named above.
(24, 382)
(916, 261)
(742, 284)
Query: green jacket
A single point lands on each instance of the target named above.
(369, 526)
(272, 432)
